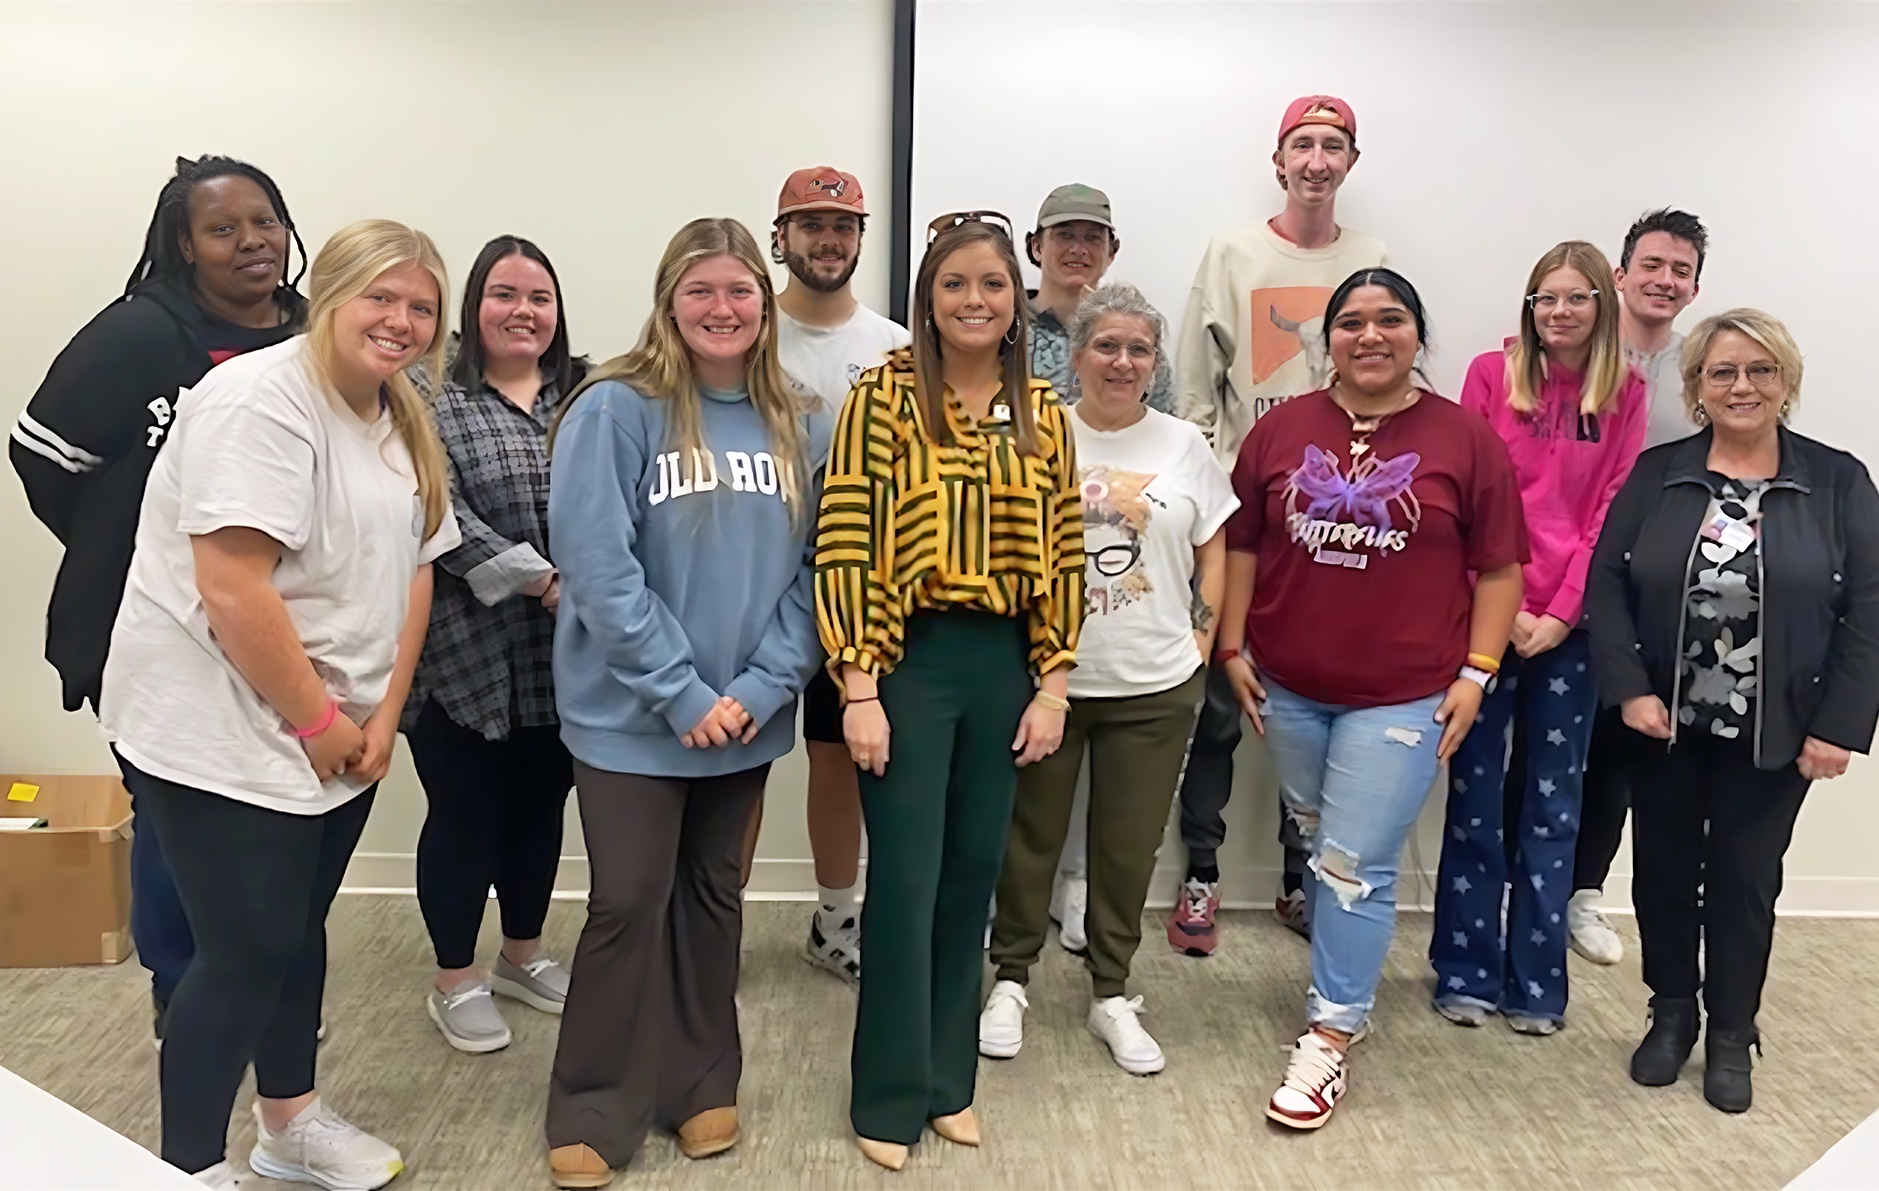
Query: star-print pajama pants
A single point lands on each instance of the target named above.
(1518, 968)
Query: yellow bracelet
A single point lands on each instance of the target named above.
(1054, 702)
(1482, 661)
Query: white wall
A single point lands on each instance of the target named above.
(1489, 133)
(594, 129)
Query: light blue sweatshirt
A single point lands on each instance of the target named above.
(679, 583)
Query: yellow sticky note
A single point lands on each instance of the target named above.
(22, 792)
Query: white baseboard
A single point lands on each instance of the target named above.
(1250, 887)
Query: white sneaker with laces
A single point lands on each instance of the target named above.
(1314, 1082)
(834, 946)
(1069, 904)
(1001, 1025)
(1592, 936)
(1116, 1020)
(320, 1147)
(221, 1175)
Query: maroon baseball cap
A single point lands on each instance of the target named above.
(1319, 109)
(820, 188)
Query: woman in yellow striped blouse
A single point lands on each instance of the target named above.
(949, 573)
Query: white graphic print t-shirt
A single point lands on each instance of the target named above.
(1152, 492)
(826, 361)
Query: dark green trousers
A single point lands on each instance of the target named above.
(936, 835)
(1137, 747)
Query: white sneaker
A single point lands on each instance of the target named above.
(1069, 903)
(1001, 1025)
(220, 1175)
(1592, 936)
(1115, 1020)
(319, 1147)
(834, 947)
(1314, 1082)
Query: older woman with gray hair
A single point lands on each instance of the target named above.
(1733, 606)
(1155, 501)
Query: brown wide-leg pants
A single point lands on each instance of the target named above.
(649, 1034)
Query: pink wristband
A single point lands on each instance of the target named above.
(326, 721)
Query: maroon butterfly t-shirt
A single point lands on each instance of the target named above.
(1364, 585)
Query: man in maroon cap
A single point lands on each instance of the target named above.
(1253, 336)
(827, 339)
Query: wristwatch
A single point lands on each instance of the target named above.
(1477, 675)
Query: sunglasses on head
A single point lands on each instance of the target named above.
(946, 223)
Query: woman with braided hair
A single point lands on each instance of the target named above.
(211, 284)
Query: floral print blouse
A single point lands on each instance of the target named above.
(1722, 623)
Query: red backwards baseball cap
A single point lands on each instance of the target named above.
(820, 188)
(1319, 109)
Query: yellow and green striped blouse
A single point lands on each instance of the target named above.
(907, 523)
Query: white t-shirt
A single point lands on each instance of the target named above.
(1152, 492)
(827, 361)
(261, 442)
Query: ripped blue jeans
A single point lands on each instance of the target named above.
(1354, 780)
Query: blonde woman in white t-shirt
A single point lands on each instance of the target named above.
(1155, 504)
(274, 613)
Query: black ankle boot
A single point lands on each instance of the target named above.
(1726, 1076)
(1667, 1044)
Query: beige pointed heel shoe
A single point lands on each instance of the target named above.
(578, 1166)
(961, 1128)
(890, 1154)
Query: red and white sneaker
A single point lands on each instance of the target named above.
(1314, 1082)
(1191, 926)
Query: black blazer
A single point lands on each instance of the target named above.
(1819, 592)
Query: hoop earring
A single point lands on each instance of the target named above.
(1011, 335)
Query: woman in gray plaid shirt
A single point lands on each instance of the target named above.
(481, 718)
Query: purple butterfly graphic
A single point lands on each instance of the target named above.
(1362, 499)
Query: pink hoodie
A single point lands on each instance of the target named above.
(1566, 481)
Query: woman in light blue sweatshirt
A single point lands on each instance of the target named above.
(684, 479)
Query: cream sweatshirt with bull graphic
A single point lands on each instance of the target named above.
(1253, 334)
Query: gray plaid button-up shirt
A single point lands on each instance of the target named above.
(488, 657)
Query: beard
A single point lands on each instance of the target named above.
(803, 270)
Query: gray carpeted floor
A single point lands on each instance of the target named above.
(1431, 1105)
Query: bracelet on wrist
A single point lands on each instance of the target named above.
(1482, 661)
(1223, 656)
(322, 724)
(1054, 702)
(854, 699)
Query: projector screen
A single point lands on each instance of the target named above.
(1489, 132)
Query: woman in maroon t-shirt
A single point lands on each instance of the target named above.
(1383, 525)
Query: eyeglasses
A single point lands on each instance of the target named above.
(1723, 376)
(1118, 558)
(946, 223)
(1577, 300)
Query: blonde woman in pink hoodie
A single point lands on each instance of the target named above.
(1572, 414)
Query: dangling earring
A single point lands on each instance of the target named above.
(1702, 414)
(1785, 406)
(1011, 335)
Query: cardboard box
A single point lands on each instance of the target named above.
(65, 887)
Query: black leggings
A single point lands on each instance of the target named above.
(494, 819)
(255, 885)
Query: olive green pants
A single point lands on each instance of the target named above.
(1137, 747)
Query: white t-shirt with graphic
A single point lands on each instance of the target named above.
(262, 443)
(1152, 492)
(827, 361)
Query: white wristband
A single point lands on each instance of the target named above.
(1477, 676)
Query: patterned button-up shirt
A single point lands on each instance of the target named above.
(488, 657)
